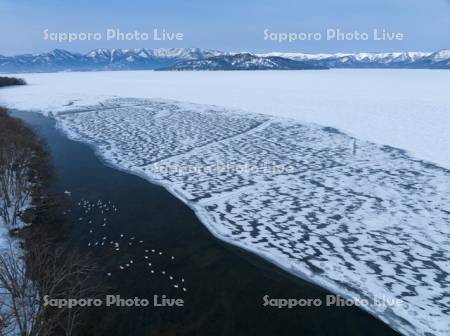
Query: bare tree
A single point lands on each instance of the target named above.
(6, 318)
(22, 157)
(19, 297)
(64, 274)
(45, 267)
(51, 272)
(15, 187)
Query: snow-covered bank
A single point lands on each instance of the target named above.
(362, 220)
(19, 175)
(407, 109)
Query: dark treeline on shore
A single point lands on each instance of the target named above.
(37, 262)
(24, 168)
(9, 81)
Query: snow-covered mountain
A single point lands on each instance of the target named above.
(205, 59)
(440, 59)
(244, 61)
(55, 60)
(102, 59)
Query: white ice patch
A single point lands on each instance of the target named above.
(363, 220)
(407, 109)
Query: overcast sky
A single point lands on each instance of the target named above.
(229, 25)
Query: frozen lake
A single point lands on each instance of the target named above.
(357, 218)
(215, 274)
(409, 109)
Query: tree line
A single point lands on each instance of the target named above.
(8, 81)
(36, 261)
(24, 168)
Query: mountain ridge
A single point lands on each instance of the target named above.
(418, 60)
(208, 59)
(243, 61)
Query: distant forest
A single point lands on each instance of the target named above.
(7, 81)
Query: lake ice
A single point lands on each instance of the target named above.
(357, 217)
(409, 109)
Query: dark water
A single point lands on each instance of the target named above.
(224, 285)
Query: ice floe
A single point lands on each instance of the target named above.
(360, 219)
